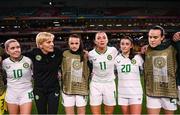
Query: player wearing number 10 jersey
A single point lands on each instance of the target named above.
(19, 74)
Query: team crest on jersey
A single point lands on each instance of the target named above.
(133, 61)
(76, 64)
(26, 65)
(38, 57)
(159, 62)
(109, 57)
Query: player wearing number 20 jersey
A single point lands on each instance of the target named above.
(103, 64)
(129, 83)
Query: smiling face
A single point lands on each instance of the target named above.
(155, 37)
(74, 43)
(101, 40)
(13, 49)
(125, 45)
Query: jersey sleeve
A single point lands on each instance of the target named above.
(59, 53)
(3, 64)
(115, 52)
(140, 61)
(116, 59)
(90, 56)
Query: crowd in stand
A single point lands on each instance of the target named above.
(91, 74)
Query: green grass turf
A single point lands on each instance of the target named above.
(116, 110)
(88, 111)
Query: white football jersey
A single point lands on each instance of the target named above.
(19, 73)
(129, 82)
(103, 64)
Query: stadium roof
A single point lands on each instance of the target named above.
(91, 3)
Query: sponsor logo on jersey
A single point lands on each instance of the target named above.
(133, 61)
(56, 94)
(26, 65)
(37, 97)
(118, 61)
(8, 66)
(94, 59)
(109, 57)
(53, 56)
(38, 57)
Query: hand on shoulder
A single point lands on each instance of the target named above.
(176, 37)
(144, 49)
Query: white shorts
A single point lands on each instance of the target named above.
(19, 96)
(165, 103)
(102, 92)
(178, 95)
(129, 101)
(74, 100)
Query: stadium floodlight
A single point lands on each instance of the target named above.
(118, 25)
(92, 25)
(109, 25)
(56, 22)
(100, 25)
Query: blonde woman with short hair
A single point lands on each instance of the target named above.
(46, 61)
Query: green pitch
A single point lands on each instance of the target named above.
(88, 111)
(116, 110)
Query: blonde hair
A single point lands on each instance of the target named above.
(6, 44)
(42, 37)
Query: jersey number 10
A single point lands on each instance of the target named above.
(17, 73)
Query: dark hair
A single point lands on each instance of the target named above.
(157, 27)
(132, 52)
(81, 47)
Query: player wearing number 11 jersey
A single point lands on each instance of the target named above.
(103, 64)
(102, 86)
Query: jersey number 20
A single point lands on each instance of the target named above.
(126, 68)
